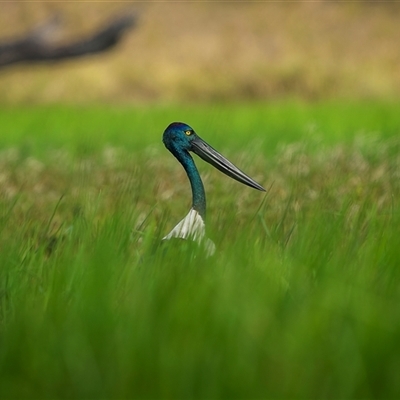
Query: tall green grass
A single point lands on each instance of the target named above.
(86, 129)
(300, 300)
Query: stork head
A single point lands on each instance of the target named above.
(180, 138)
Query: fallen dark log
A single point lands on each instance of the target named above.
(36, 46)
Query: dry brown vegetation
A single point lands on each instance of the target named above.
(299, 181)
(215, 51)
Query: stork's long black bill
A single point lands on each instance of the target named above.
(207, 153)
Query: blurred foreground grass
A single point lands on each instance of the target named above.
(301, 299)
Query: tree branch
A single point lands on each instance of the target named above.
(35, 46)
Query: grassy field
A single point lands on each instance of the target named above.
(301, 300)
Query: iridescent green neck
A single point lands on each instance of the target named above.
(198, 193)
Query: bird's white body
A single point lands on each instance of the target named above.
(192, 227)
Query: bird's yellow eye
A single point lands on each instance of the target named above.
(188, 132)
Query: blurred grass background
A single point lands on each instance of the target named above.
(191, 51)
